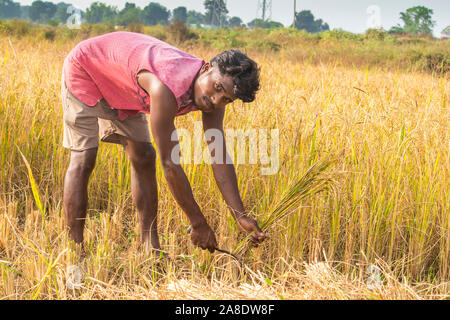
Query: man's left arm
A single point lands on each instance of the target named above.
(225, 176)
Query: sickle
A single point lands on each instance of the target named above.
(189, 229)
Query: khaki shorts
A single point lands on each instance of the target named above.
(83, 124)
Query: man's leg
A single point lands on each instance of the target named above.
(76, 191)
(144, 188)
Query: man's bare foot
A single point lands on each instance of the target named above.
(78, 249)
(75, 272)
(151, 251)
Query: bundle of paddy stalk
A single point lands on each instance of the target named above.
(310, 183)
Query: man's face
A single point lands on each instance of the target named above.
(212, 90)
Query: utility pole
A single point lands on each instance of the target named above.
(264, 10)
(295, 9)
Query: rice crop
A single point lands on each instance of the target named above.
(364, 155)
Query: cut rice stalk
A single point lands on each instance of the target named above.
(310, 183)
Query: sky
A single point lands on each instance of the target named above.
(351, 15)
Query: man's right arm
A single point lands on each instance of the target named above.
(163, 111)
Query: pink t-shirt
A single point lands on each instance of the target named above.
(106, 67)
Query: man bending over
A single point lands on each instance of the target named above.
(109, 83)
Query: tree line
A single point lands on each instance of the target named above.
(46, 12)
(416, 20)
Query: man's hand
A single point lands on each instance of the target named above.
(247, 224)
(203, 237)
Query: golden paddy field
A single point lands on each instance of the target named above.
(387, 203)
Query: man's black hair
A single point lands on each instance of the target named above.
(243, 70)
